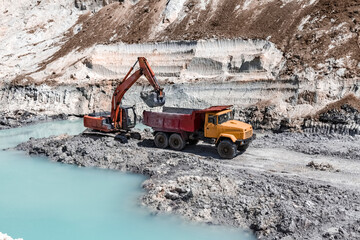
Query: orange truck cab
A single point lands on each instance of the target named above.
(175, 127)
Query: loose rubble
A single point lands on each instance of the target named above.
(320, 166)
(203, 188)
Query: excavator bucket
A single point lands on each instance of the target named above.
(152, 98)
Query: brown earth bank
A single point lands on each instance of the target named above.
(286, 186)
(330, 29)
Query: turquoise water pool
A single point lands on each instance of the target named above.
(43, 200)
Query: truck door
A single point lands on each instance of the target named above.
(210, 129)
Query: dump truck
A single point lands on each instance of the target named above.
(176, 127)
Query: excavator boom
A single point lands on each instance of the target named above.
(118, 118)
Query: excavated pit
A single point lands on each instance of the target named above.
(285, 66)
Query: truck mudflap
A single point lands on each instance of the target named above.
(246, 141)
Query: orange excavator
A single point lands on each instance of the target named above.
(124, 117)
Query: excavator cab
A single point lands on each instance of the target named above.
(128, 117)
(102, 121)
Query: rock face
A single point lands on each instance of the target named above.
(184, 61)
(285, 60)
(196, 185)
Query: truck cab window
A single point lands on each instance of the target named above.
(226, 117)
(212, 119)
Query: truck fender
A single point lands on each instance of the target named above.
(227, 136)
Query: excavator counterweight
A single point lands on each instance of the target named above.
(122, 117)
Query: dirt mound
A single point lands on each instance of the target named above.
(113, 23)
(344, 111)
(311, 34)
(350, 100)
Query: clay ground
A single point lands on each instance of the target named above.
(285, 186)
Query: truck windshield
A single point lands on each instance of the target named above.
(226, 117)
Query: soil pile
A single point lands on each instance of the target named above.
(316, 36)
(323, 34)
(341, 116)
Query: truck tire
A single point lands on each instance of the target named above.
(226, 149)
(176, 142)
(243, 148)
(161, 140)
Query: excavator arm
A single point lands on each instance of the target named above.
(114, 121)
(156, 98)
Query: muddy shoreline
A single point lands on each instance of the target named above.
(252, 191)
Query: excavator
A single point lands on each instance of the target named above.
(123, 118)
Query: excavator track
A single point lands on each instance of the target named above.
(122, 136)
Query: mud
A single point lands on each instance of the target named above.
(268, 189)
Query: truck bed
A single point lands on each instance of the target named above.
(178, 119)
(179, 110)
(173, 122)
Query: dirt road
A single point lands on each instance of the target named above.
(336, 171)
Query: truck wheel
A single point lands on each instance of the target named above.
(243, 148)
(226, 149)
(161, 140)
(193, 141)
(176, 142)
